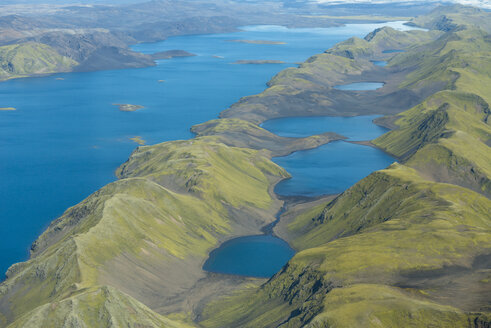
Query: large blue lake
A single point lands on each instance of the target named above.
(66, 138)
(331, 168)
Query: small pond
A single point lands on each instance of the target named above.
(379, 63)
(391, 51)
(360, 86)
(253, 256)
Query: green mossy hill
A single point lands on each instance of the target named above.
(394, 230)
(175, 201)
(101, 307)
(214, 171)
(448, 18)
(304, 86)
(240, 133)
(408, 246)
(455, 60)
(385, 38)
(27, 59)
(445, 137)
(308, 89)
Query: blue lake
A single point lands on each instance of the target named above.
(66, 138)
(391, 51)
(355, 128)
(379, 63)
(329, 169)
(334, 167)
(255, 256)
(360, 86)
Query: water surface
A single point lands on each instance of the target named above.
(381, 63)
(360, 86)
(355, 128)
(254, 256)
(329, 169)
(391, 51)
(66, 138)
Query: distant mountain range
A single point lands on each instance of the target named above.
(477, 3)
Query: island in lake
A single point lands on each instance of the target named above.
(171, 54)
(128, 107)
(257, 41)
(244, 62)
(138, 140)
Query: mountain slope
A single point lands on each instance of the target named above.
(407, 246)
(174, 202)
(22, 60)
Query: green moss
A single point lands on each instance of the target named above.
(96, 307)
(174, 203)
(368, 305)
(447, 18)
(26, 59)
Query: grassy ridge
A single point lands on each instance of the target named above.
(173, 203)
(96, 307)
(407, 246)
(390, 226)
(385, 38)
(26, 59)
(447, 18)
(244, 134)
(308, 89)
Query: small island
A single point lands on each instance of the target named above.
(257, 41)
(138, 140)
(171, 54)
(128, 107)
(258, 62)
(7, 108)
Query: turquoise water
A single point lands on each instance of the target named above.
(360, 86)
(66, 138)
(379, 63)
(255, 256)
